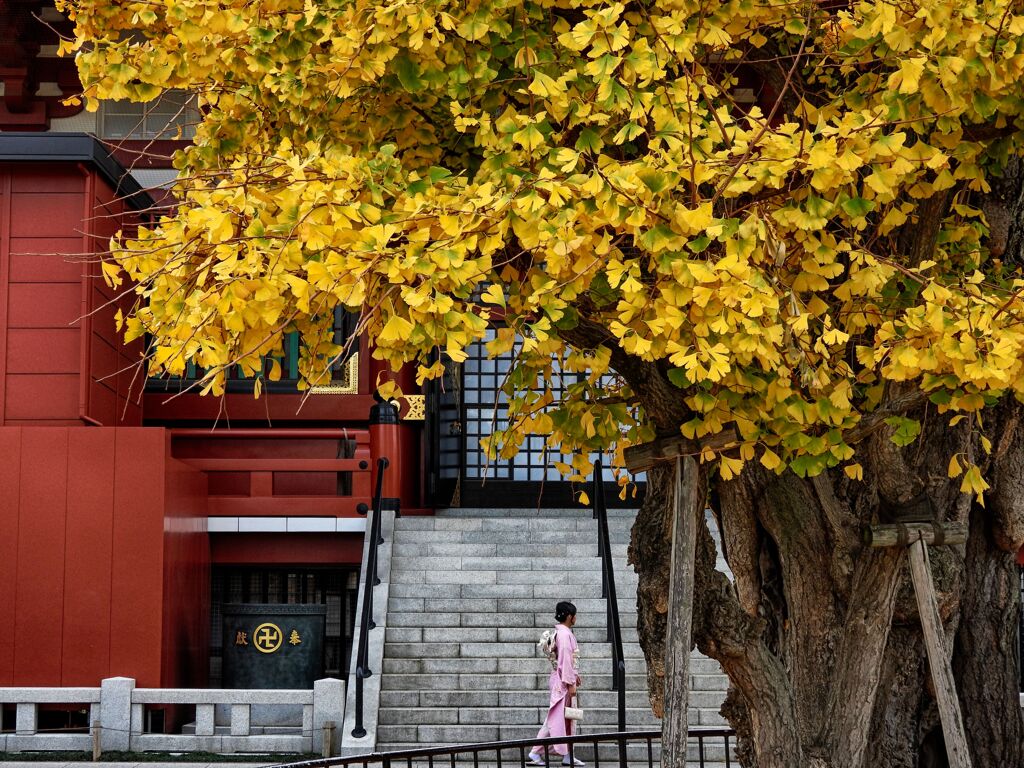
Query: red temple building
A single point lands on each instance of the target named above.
(133, 511)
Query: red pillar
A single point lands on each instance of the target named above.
(398, 441)
(385, 443)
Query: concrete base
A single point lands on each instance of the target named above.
(266, 715)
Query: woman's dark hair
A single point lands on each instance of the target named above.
(564, 610)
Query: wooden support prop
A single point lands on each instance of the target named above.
(328, 741)
(688, 505)
(938, 657)
(640, 458)
(916, 537)
(903, 534)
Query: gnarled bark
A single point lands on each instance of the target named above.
(817, 678)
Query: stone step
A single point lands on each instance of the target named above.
(424, 536)
(635, 699)
(517, 524)
(535, 715)
(411, 736)
(470, 593)
(536, 622)
(560, 549)
(546, 595)
(496, 682)
(512, 759)
(702, 665)
(464, 578)
(585, 635)
(407, 662)
(459, 734)
(589, 573)
(594, 657)
(528, 563)
(581, 511)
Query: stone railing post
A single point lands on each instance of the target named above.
(26, 719)
(328, 706)
(116, 714)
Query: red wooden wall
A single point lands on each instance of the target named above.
(58, 362)
(186, 597)
(103, 558)
(111, 384)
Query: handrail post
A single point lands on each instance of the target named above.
(611, 602)
(374, 539)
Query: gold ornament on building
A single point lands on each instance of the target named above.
(416, 407)
(347, 384)
(267, 637)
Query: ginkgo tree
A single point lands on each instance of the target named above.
(789, 232)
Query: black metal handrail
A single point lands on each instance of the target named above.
(609, 594)
(370, 580)
(441, 756)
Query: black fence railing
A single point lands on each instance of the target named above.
(608, 592)
(370, 581)
(707, 747)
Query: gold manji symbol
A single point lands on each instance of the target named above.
(267, 638)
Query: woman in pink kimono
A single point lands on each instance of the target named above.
(562, 684)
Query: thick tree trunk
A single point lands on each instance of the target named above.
(987, 649)
(803, 631)
(819, 636)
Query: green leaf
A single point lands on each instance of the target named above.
(601, 291)
(699, 244)
(984, 104)
(796, 27)
(570, 319)
(408, 73)
(435, 173)
(906, 432)
(809, 466)
(678, 377)
(656, 181)
(657, 238)
(858, 207)
(589, 141)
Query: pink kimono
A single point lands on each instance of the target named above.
(562, 676)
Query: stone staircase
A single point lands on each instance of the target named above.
(470, 592)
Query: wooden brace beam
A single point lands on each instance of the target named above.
(640, 458)
(905, 534)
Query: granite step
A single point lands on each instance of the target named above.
(469, 594)
(491, 633)
(614, 513)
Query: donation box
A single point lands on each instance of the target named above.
(273, 646)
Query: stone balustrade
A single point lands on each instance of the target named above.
(258, 721)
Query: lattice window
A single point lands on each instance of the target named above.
(173, 115)
(486, 407)
(344, 371)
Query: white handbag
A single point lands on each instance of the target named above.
(574, 713)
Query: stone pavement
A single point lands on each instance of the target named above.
(82, 764)
(131, 764)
